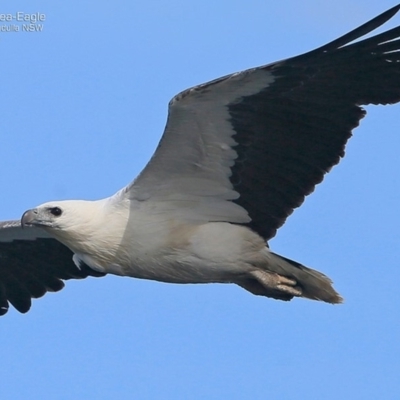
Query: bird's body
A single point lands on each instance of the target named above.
(237, 156)
(141, 243)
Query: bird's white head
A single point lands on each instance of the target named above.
(70, 221)
(61, 215)
(93, 229)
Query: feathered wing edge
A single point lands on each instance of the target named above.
(31, 264)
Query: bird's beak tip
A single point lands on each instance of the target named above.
(28, 217)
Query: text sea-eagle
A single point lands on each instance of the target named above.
(237, 156)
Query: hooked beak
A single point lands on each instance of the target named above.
(29, 217)
(34, 217)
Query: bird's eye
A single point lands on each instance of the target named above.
(56, 211)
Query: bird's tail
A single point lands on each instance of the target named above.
(314, 284)
(284, 279)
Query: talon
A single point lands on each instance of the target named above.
(282, 280)
(293, 290)
(276, 282)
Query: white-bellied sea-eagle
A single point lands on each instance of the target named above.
(237, 156)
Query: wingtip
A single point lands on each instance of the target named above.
(394, 9)
(356, 33)
(385, 16)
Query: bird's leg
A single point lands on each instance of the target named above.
(277, 283)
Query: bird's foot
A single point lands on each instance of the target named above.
(275, 282)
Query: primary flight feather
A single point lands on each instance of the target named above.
(237, 156)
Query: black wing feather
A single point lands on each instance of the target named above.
(30, 268)
(291, 133)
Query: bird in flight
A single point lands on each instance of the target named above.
(238, 155)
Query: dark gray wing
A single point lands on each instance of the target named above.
(31, 264)
(247, 148)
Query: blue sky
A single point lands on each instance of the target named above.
(83, 104)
